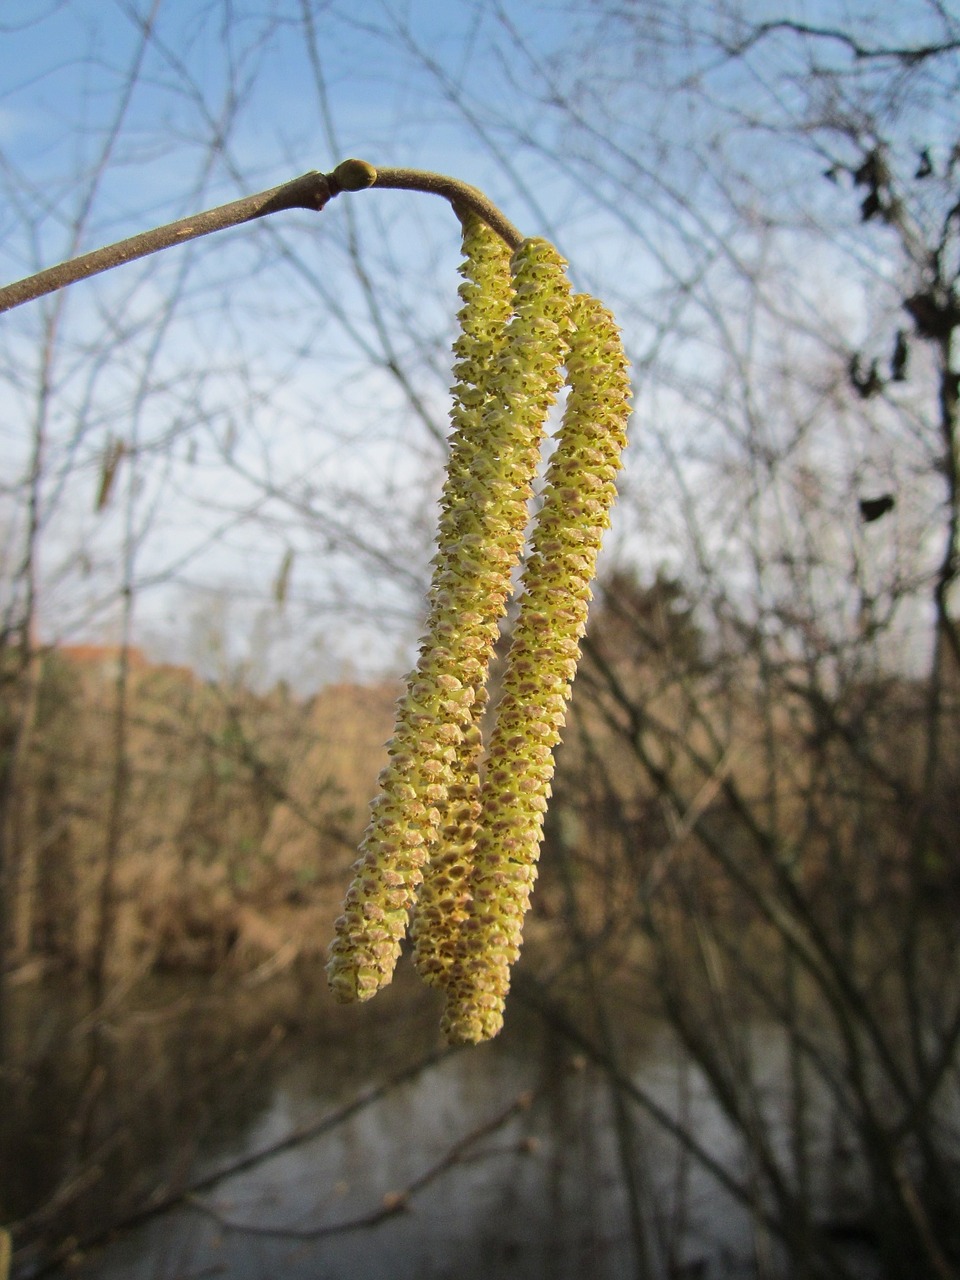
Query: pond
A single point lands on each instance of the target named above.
(328, 1141)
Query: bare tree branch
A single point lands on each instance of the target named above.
(909, 55)
(310, 191)
(393, 1202)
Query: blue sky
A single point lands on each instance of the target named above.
(65, 76)
(264, 413)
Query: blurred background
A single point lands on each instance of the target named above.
(731, 1049)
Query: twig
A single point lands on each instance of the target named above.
(311, 190)
(457, 192)
(532, 994)
(169, 1197)
(393, 1203)
(909, 55)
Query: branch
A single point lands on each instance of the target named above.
(165, 1198)
(909, 55)
(393, 1203)
(458, 193)
(310, 191)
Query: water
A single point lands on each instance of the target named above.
(508, 1159)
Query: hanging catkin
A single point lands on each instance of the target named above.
(501, 403)
(540, 669)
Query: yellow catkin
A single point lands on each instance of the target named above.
(540, 669)
(504, 391)
(467, 508)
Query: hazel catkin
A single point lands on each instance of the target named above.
(507, 379)
(540, 669)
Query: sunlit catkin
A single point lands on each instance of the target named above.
(468, 511)
(506, 384)
(540, 669)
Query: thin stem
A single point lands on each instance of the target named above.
(310, 191)
(457, 192)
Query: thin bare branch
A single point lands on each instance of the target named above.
(393, 1202)
(907, 54)
(458, 193)
(310, 191)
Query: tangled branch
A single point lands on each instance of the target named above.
(393, 1203)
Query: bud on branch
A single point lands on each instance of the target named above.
(310, 191)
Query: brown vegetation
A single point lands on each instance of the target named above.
(240, 815)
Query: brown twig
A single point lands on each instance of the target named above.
(393, 1202)
(310, 191)
(457, 192)
(170, 1197)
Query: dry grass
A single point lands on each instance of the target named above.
(236, 815)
